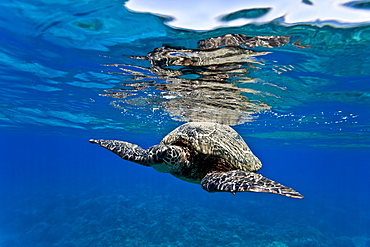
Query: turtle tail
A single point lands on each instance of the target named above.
(125, 150)
(239, 181)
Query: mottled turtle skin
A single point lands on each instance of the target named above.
(210, 154)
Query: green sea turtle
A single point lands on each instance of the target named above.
(210, 154)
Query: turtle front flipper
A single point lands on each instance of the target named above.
(126, 151)
(239, 181)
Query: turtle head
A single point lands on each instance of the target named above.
(167, 158)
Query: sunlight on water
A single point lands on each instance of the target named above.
(196, 15)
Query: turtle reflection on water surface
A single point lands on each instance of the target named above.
(208, 84)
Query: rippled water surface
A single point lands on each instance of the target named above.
(294, 83)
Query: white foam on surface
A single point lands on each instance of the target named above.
(204, 15)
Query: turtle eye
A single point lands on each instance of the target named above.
(162, 154)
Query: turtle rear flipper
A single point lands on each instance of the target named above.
(239, 181)
(126, 150)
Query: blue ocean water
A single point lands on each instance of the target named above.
(68, 74)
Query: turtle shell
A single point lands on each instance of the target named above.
(217, 140)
